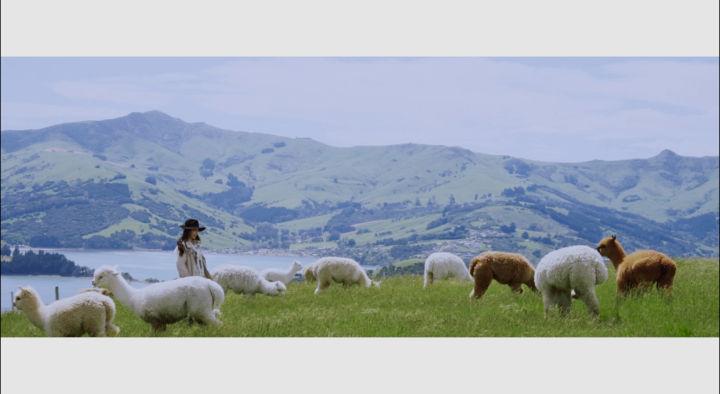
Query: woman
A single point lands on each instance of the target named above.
(190, 261)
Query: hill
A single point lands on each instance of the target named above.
(129, 182)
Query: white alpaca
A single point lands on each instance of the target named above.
(341, 270)
(85, 313)
(277, 275)
(570, 272)
(444, 265)
(166, 302)
(245, 280)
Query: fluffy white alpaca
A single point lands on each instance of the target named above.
(85, 313)
(245, 280)
(277, 275)
(341, 270)
(570, 272)
(444, 265)
(166, 302)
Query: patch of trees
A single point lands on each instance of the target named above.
(207, 168)
(42, 263)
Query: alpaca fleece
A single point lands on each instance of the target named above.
(341, 270)
(167, 302)
(442, 265)
(245, 280)
(575, 268)
(86, 313)
(510, 269)
(638, 269)
(287, 276)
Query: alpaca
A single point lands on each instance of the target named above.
(275, 275)
(443, 265)
(575, 268)
(166, 302)
(638, 269)
(509, 269)
(245, 280)
(85, 313)
(341, 270)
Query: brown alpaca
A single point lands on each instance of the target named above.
(639, 269)
(509, 269)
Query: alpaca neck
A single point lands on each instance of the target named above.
(266, 286)
(124, 293)
(36, 314)
(293, 270)
(366, 280)
(618, 256)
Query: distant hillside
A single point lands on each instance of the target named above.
(129, 182)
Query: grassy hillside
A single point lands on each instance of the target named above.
(401, 307)
(128, 182)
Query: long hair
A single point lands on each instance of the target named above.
(185, 237)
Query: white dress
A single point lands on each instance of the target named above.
(192, 262)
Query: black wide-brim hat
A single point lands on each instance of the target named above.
(191, 224)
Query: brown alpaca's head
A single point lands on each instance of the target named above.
(610, 247)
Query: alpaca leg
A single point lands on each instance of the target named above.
(483, 278)
(591, 301)
(548, 301)
(563, 299)
(97, 328)
(516, 288)
(322, 285)
(208, 317)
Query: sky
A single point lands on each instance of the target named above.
(549, 109)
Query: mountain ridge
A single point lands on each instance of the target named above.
(144, 172)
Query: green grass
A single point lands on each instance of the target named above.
(401, 308)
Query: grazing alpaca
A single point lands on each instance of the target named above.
(85, 313)
(245, 280)
(644, 267)
(510, 269)
(166, 302)
(575, 268)
(340, 270)
(444, 265)
(275, 275)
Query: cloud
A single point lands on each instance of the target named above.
(502, 106)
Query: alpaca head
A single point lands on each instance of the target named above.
(610, 247)
(105, 276)
(296, 266)
(280, 288)
(309, 274)
(26, 299)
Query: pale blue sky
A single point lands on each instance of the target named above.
(554, 109)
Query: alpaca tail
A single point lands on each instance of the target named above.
(217, 295)
(110, 329)
(601, 272)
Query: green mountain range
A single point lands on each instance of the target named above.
(129, 182)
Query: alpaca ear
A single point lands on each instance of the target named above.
(614, 237)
